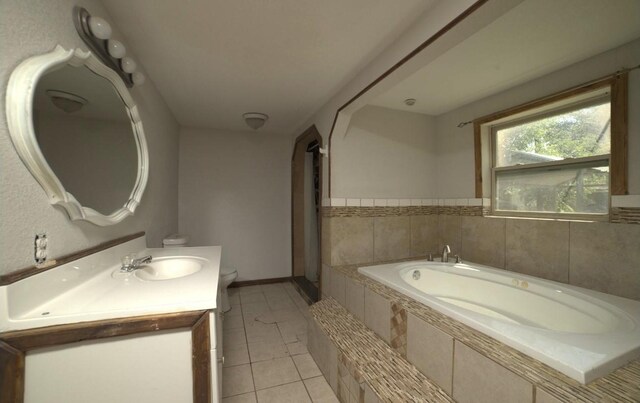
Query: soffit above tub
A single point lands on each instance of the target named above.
(533, 39)
(212, 61)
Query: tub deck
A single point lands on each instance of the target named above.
(622, 385)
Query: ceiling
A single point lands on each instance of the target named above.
(213, 60)
(103, 101)
(535, 38)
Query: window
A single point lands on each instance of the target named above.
(560, 157)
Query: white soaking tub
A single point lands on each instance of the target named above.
(582, 333)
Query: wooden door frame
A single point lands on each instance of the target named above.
(297, 172)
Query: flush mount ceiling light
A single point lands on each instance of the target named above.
(410, 101)
(66, 101)
(255, 120)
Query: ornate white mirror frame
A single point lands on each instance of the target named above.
(19, 109)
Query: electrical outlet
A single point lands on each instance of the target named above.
(40, 248)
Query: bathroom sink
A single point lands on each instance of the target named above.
(169, 268)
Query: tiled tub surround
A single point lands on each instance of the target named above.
(581, 333)
(470, 366)
(595, 255)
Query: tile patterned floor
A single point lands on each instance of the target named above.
(266, 358)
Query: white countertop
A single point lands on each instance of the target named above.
(92, 288)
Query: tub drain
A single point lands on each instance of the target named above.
(416, 274)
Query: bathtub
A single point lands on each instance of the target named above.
(582, 333)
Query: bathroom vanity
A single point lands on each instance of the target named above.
(87, 331)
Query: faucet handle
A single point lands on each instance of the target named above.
(430, 258)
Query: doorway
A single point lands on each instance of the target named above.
(306, 197)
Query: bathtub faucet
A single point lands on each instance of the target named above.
(445, 253)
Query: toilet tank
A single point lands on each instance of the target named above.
(175, 241)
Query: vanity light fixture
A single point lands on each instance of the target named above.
(116, 49)
(255, 120)
(66, 101)
(96, 33)
(410, 101)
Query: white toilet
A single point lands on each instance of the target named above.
(227, 275)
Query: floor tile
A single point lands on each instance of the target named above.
(320, 391)
(236, 310)
(252, 289)
(263, 351)
(306, 366)
(234, 299)
(252, 298)
(290, 393)
(293, 330)
(274, 372)
(259, 332)
(255, 307)
(297, 348)
(236, 355)
(236, 380)
(233, 337)
(281, 303)
(244, 398)
(273, 287)
(233, 322)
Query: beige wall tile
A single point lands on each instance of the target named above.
(377, 314)
(325, 241)
(543, 396)
(431, 351)
(539, 248)
(605, 257)
(338, 287)
(325, 279)
(392, 238)
(477, 379)
(351, 240)
(449, 232)
(483, 240)
(424, 235)
(355, 298)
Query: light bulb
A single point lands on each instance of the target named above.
(128, 64)
(138, 78)
(116, 49)
(99, 28)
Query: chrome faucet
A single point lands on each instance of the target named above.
(445, 253)
(130, 265)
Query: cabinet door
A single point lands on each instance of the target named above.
(147, 368)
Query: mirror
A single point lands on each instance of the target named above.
(80, 134)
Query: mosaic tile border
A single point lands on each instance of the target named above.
(625, 215)
(623, 385)
(401, 211)
(619, 215)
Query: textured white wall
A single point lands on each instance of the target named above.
(426, 25)
(235, 191)
(385, 153)
(33, 27)
(455, 145)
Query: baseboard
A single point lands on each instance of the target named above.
(246, 283)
